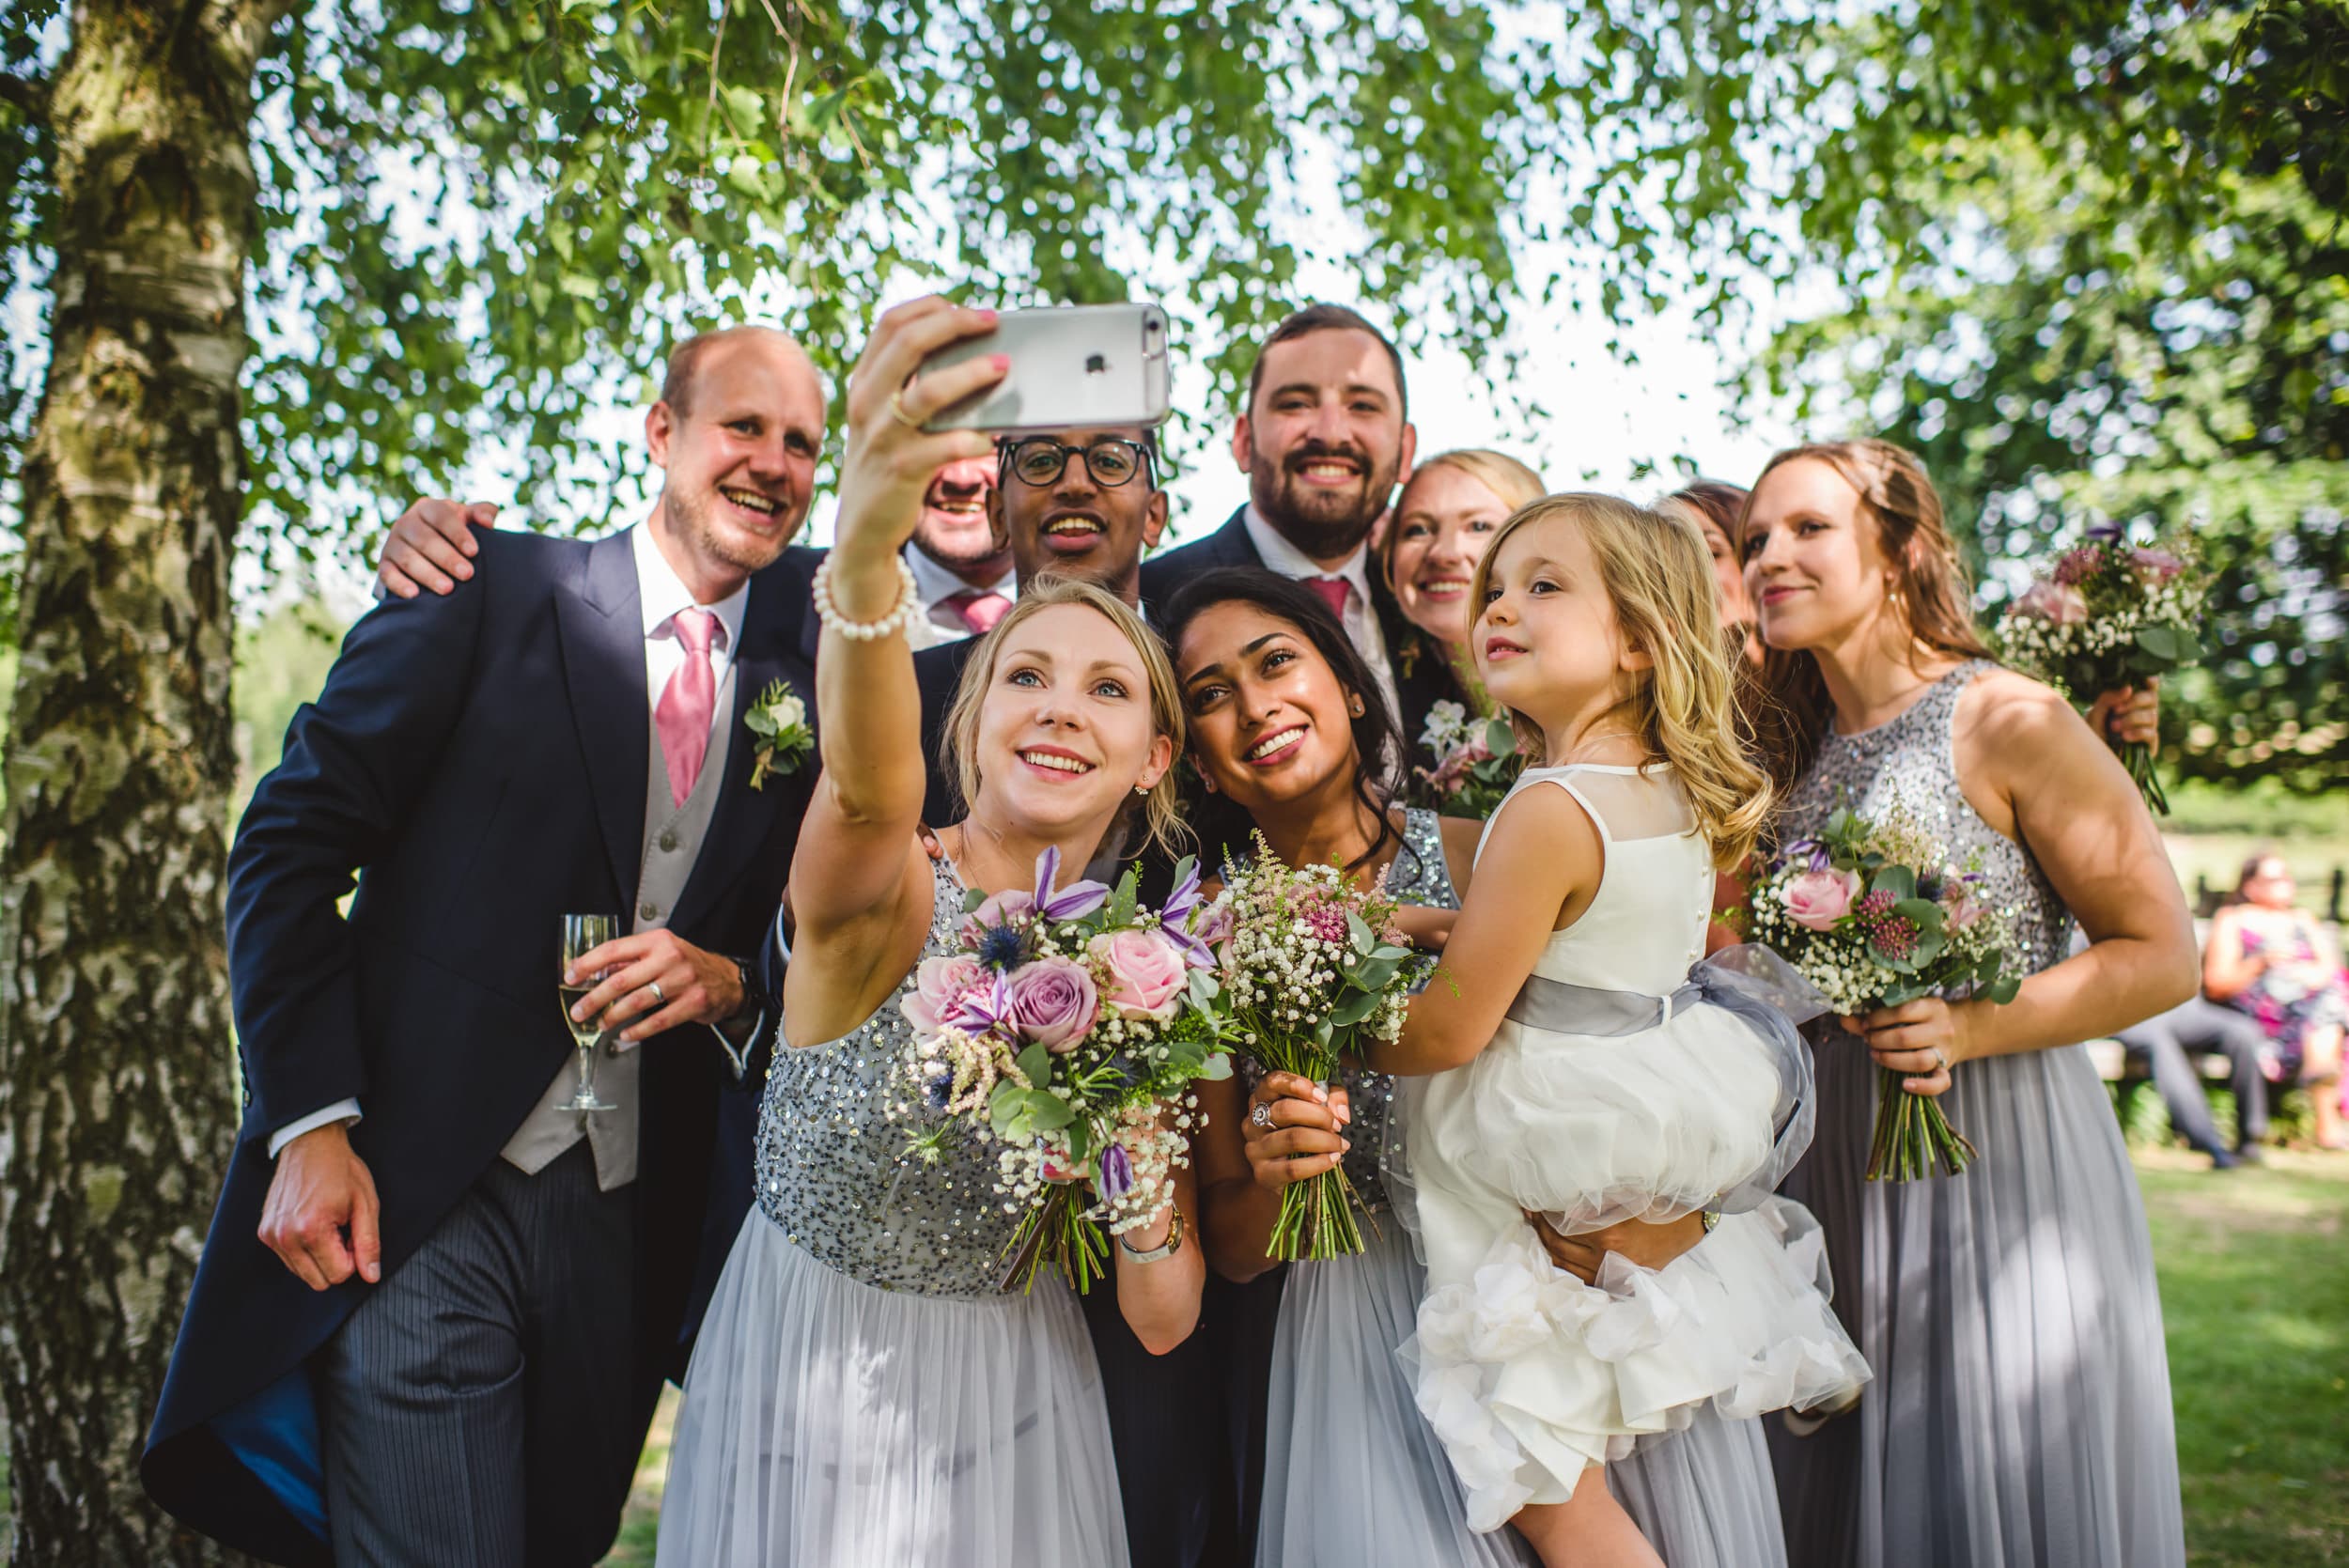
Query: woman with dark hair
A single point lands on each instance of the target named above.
(1718, 511)
(2270, 958)
(1283, 714)
(2021, 1409)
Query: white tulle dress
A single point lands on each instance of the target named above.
(1617, 1088)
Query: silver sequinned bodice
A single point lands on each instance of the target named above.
(1419, 875)
(833, 1168)
(1909, 764)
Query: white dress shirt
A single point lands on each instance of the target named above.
(660, 594)
(934, 585)
(1360, 618)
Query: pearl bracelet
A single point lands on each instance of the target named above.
(901, 614)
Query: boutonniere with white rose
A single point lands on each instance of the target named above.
(779, 719)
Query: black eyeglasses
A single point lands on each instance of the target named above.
(1040, 460)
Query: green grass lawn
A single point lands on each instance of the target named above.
(2254, 1268)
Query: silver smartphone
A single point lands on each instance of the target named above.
(1071, 365)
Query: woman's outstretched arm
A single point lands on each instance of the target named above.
(860, 883)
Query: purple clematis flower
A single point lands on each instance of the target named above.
(1073, 902)
(1117, 1172)
(984, 1008)
(1173, 919)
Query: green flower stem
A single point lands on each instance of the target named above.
(1912, 1136)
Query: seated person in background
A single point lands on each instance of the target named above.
(2170, 1041)
(2276, 962)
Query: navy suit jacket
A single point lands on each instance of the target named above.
(479, 760)
(1418, 684)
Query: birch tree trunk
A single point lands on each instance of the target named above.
(117, 1098)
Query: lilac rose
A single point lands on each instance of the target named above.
(936, 985)
(1818, 899)
(1147, 972)
(1052, 1000)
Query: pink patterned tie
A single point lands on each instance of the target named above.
(682, 715)
(979, 608)
(1336, 592)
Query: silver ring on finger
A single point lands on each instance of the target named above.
(1941, 1063)
(1261, 1116)
(898, 412)
(660, 999)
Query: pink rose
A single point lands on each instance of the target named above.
(1147, 973)
(2159, 565)
(1214, 926)
(2054, 603)
(1052, 1000)
(937, 985)
(1818, 899)
(1961, 910)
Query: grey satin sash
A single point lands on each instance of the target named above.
(1748, 981)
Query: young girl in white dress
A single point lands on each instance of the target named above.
(1584, 1073)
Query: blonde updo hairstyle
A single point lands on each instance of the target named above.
(1160, 810)
(1515, 484)
(1659, 575)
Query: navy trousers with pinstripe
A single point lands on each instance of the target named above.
(478, 1408)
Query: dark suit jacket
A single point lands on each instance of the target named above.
(482, 758)
(1416, 686)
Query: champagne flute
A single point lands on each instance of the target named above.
(582, 934)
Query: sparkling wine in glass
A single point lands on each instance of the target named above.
(582, 934)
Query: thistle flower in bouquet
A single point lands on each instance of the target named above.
(1874, 913)
(1067, 1028)
(1313, 970)
(2105, 615)
(1476, 762)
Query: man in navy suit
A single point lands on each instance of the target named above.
(1324, 437)
(436, 1306)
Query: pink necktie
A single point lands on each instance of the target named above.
(682, 715)
(1335, 591)
(980, 608)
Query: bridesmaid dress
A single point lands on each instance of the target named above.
(863, 1390)
(1353, 1475)
(2021, 1412)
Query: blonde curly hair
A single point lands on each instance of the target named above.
(1685, 708)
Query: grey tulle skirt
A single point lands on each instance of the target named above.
(2021, 1412)
(831, 1424)
(1354, 1478)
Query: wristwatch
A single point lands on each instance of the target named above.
(755, 1001)
(1167, 1249)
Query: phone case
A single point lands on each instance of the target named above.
(1071, 366)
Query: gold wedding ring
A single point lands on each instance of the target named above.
(897, 412)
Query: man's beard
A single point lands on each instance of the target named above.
(1326, 524)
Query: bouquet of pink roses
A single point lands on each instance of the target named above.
(2107, 614)
(1313, 971)
(1874, 915)
(1476, 761)
(1068, 1029)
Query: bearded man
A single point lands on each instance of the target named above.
(1324, 437)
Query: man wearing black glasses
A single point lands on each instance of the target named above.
(1080, 504)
